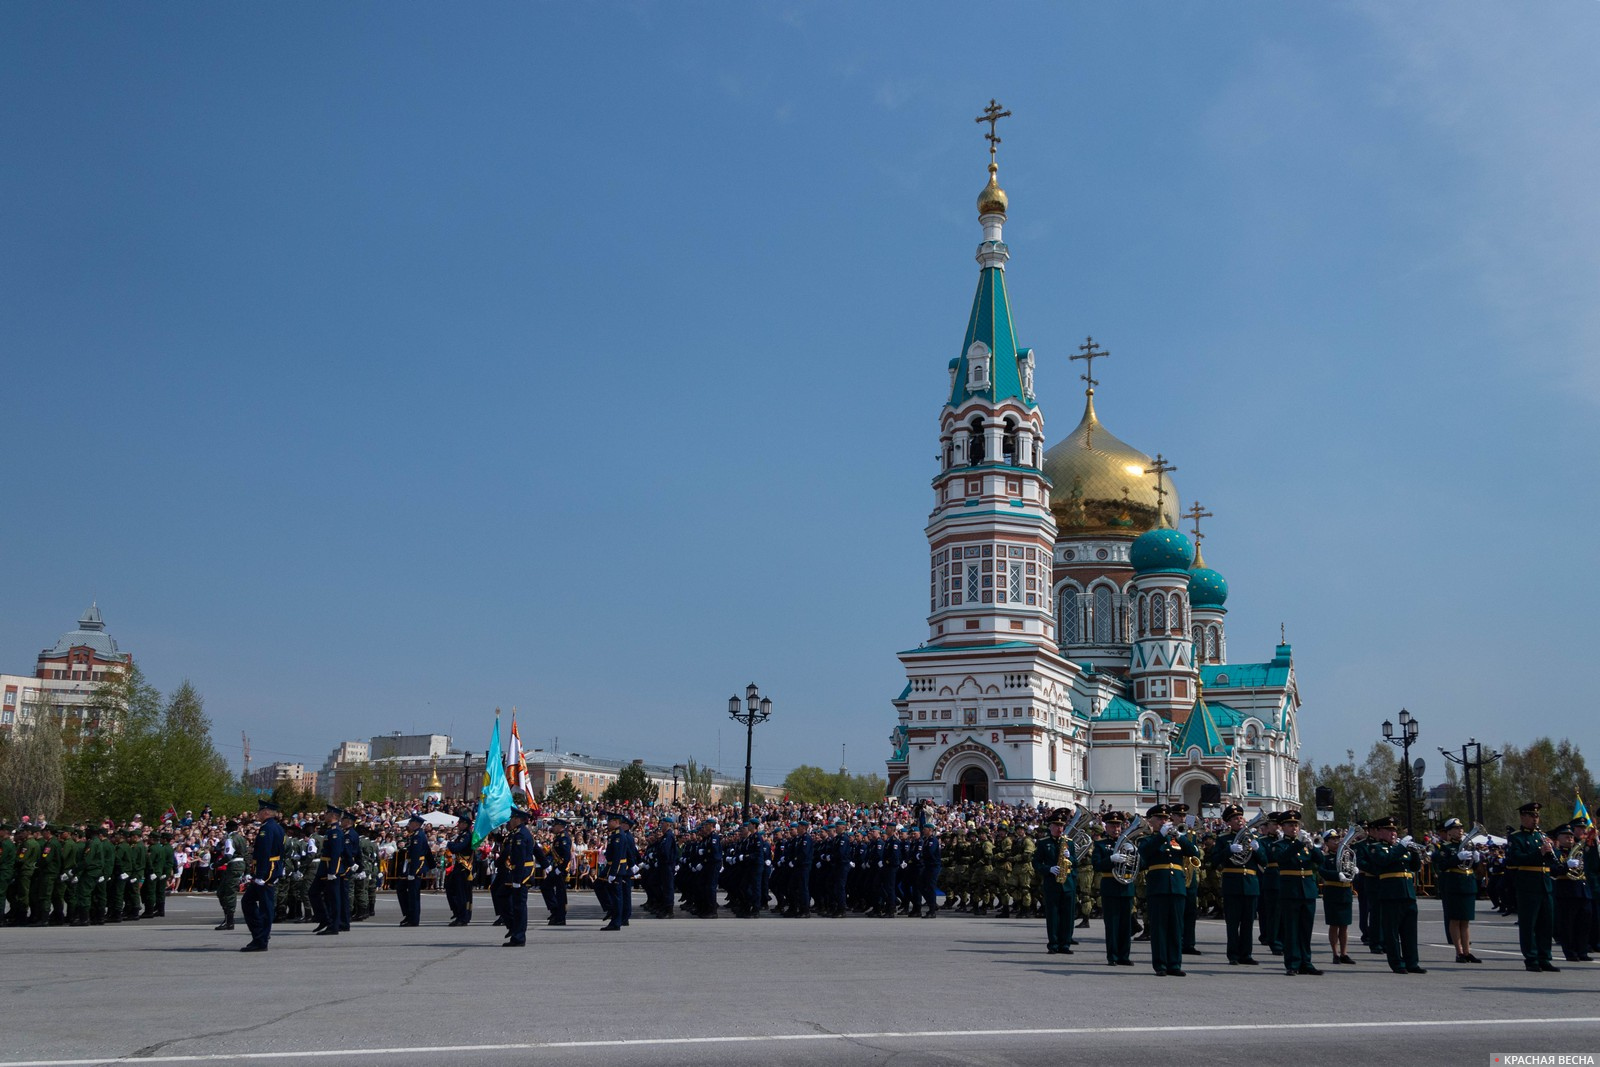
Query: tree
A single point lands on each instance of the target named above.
(189, 772)
(562, 793)
(110, 772)
(813, 785)
(378, 780)
(32, 781)
(1360, 790)
(1547, 771)
(697, 783)
(632, 786)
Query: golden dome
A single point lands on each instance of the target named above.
(992, 201)
(1098, 484)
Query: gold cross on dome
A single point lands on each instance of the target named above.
(992, 114)
(1089, 352)
(1160, 468)
(1195, 513)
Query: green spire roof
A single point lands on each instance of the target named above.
(991, 324)
(1201, 732)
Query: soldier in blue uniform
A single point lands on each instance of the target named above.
(266, 867)
(458, 877)
(1528, 857)
(1116, 899)
(1298, 862)
(617, 868)
(707, 868)
(330, 866)
(520, 865)
(1571, 893)
(1240, 864)
(418, 861)
(931, 861)
(557, 871)
(664, 865)
(352, 865)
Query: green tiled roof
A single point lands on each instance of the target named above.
(1122, 710)
(1245, 675)
(1230, 718)
(991, 323)
(1200, 732)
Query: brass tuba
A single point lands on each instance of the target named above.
(1346, 860)
(1125, 854)
(1247, 837)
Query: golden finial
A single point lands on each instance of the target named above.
(992, 201)
(1160, 468)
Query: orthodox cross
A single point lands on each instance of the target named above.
(1089, 352)
(992, 114)
(1195, 513)
(1160, 468)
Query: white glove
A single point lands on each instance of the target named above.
(331, 878)
(697, 866)
(852, 865)
(636, 870)
(297, 875)
(610, 878)
(66, 877)
(1170, 830)
(1255, 845)
(100, 879)
(1055, 870)
(1406, 840)
(1574, 863)
(769, 863)
(411, 878)
(1469, 855)
(124, 876)
(259, 881)
(1236, 849)
(819, 864)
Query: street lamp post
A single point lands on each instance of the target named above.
(466, 777)
(756, 708)
(677, 769)
(1477, 762)
(1409, 728)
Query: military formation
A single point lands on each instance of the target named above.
(1148, 879)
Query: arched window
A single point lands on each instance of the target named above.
(1213, 649)
(1103, 620)
(975, 449)
(1175, 612)
(1158, 613)
(1197, 635)
(1008, 447)
(1144, 615)
(1067, 616)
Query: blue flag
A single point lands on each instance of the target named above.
(494, 802)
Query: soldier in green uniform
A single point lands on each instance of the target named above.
(1528, 857)
(28, 848)
(70, 846)
(1055, 862)
(1455, 877)
(1396, 864)
(1240, 867)
(138, 868)
(1000, 874)
(117, 881)
(1191, 878)
(8, 867)
(1298, 862)
(1021, 874)
(364, 903)
(162, 865)
(1338, 899)
(1210, 899)
(1116, 899)
(1268, 912)
(85, 876)
(983, 873)
(42, 879)
(1163, 856)
(228, 860)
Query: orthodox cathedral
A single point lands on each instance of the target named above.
(1077, 643)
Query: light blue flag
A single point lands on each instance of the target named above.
(494, 802)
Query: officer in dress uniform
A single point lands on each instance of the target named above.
(330, 866)
(932, 861)
(419, 859)
(1191, 906)
(1163, 856)
(227, 860)
(1271, 936)
(458, 877)
(1395, 865)
(520, 866)
(1054, 859)
(1571, 891)
(266, 868)
(621, 857)
(1116, 899)
(664, 869)
(352, 866)
(1298, 861)
(557, 871)
(1338, 898)
(1528, 858)
(1455, 877)
(1240, 864)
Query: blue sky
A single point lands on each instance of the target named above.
(375, 365)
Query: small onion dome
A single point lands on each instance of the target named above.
(1207, 588)
(1161, 549)
(992, 201)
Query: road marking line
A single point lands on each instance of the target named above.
(882, 1035)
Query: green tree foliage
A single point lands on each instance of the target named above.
(632, 786)
(1547, 771)
(32, 780)
(697, 783)
(379, 780)
(139, 754)
(813, 785)
(563, 792)
(1360, 789)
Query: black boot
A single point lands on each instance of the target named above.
(227, 921)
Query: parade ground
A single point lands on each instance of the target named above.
(955, 990)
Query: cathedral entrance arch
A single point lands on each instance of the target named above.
(973, 785)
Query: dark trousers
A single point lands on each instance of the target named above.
(929, 891)
(344, 902)
(622, 899)
(1165, 912)
(517, 913)
(1594, 924)
(1117, 914)
(1535, 924)
(606, 893)
(1572, 926)
(1060, 912)
(1191, 913)
(1271, 936)
(325, 902)
(1239, 915)
(458, 894)
(1296, 918)
(1364, 902)
(260, 904)
(1400, 932)
(410, 893)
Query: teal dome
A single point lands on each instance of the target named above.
(1207, 588)
(1161, 549)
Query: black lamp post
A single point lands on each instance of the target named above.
(466, 777)
(756, 708)
(1477, 763)
(1408, 734)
